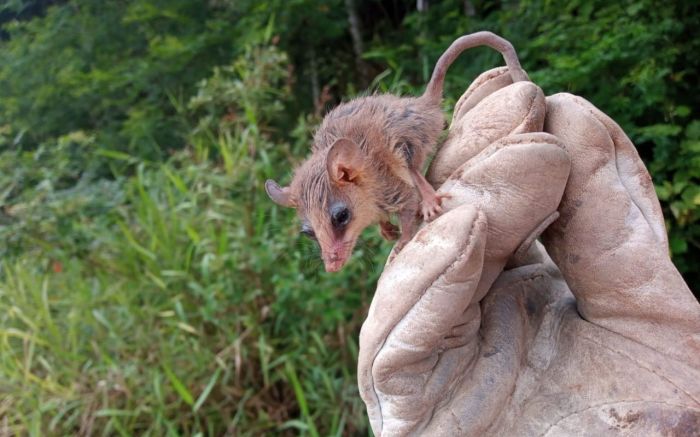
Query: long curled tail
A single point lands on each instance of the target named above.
(433, 91)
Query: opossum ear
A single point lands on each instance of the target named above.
(280, 195)
(344, 161)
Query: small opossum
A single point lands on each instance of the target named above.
(367, 159)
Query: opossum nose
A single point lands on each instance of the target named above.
(334, 265)
(334, 261)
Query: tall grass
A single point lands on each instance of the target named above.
(177, 300)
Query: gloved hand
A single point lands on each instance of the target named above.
(473, 329)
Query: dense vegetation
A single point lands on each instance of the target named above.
(148, 286)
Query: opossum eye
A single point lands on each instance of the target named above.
(340, 216)
(308, 232)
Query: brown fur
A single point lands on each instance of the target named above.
(378, 146)
(388, 130)
(393, 134)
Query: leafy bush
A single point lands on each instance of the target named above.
(188, 305)
(637, 62)
(111, 68)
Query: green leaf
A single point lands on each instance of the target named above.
(115, 154)
(693, 130)
(663, 191)
(176, 180)
(110, 412)
(179, 387)
(207, 390)
(682, 111)
(301, 398)
(678, 245)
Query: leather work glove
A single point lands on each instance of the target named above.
(475, 330)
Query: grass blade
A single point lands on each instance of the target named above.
(203, 396)
(179, 387)
(301, 398)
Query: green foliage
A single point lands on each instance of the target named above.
(148, 286)
(636, 61)
(241, 88)
(677, 165)
(111, 69)
(188, 305)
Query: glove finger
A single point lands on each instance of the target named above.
(517, 108)
(487, 83)
(608, 242)
(419, 299)
(517, 182)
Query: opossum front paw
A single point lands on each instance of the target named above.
(431, 207)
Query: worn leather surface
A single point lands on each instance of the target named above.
(603, 338)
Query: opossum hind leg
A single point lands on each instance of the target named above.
(431, 201)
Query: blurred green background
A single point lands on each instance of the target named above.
(147, 284)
